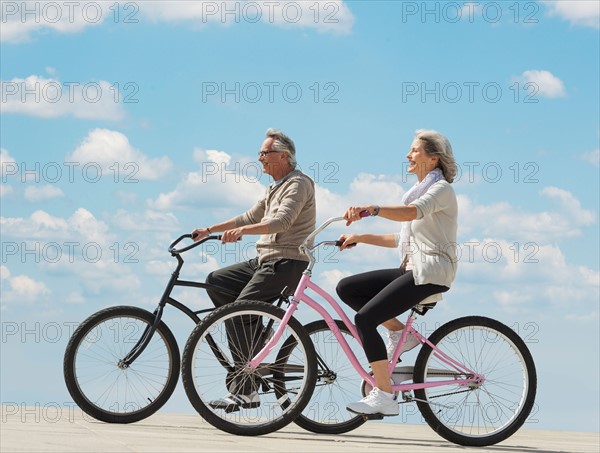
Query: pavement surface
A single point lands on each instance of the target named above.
(67, 429)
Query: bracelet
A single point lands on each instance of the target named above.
(375, 211)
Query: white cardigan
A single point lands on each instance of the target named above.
(434, 236)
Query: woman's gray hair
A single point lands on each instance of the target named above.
(436, 144)
(283, 143)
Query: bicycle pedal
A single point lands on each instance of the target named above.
(373, 416)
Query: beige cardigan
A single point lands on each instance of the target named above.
(289, 208)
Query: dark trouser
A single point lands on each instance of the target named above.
(380, 295)
(251, 281)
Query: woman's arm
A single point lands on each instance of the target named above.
(381, 240)
(396, 213)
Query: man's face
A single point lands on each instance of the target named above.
(271, 161)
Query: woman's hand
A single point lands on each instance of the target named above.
(352, 214)
(348, 241)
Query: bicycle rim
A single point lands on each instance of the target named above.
(477, 414)
(106, 389)
(215, 361)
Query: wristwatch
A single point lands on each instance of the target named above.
(375, 211)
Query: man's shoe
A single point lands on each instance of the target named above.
(375, 403)
(394, 337)
(232, 403)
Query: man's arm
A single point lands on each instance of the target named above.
(249, 218)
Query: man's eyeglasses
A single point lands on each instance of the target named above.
(264, 153)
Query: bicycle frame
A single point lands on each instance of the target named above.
(300, 296)
(166, 298)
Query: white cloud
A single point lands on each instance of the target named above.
(222, 181)
(5, 190)
(50, 98)
(522, 277)
(80, 247)
(513, 223)
(546, 83)
(365, 189)
(36, 194)
(329, 279)
(22, 21)
(322, 16)
(577, 12)
(4, 273)
(75, 298)
(21, 289)
(592, 157)
(114, 156)
(149, 220)
(211, 155)
(81, 226)
(8, 164)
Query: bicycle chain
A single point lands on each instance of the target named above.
(443, 394)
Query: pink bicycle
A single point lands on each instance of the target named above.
(474, 380)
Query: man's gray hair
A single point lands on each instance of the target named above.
(283, 143)
(436, 144)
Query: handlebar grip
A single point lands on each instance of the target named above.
(365, 213)
(339, 244)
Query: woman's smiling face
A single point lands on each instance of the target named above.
(419, 162)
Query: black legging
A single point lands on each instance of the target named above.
(378, 296)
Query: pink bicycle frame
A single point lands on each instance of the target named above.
(300, 296)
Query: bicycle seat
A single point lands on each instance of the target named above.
(423, 308)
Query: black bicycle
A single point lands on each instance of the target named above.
(122, 363)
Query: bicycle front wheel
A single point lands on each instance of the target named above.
(215, 364)
(337, 383)
(484, 413)
(101, 384)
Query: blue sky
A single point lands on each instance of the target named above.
(124, 125)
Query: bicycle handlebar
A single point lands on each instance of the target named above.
(308, 250)
(328, 222)
(174, 251)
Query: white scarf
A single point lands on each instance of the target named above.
(416, 191)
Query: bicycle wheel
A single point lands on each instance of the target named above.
(111, 392)
(337, 383)
(476, 414)
(215, 361)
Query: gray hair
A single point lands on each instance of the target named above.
(436, 144)
(283, 143)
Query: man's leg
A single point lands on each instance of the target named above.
(234, 278)
(269, 279)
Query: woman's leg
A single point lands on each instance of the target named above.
(396, 298)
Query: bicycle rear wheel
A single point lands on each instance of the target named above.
(105, 388)
(337, 384)
(214, 363)
(476, 414)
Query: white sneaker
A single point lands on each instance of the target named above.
(394, 337)
(232, 402)
(376, 402)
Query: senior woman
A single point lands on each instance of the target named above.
(428, 263)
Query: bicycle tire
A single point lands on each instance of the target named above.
(501, 404)
(97, 383)
(209, 370)
(337, 382)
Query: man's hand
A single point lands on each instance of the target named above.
(232, 235)
(200, 233)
